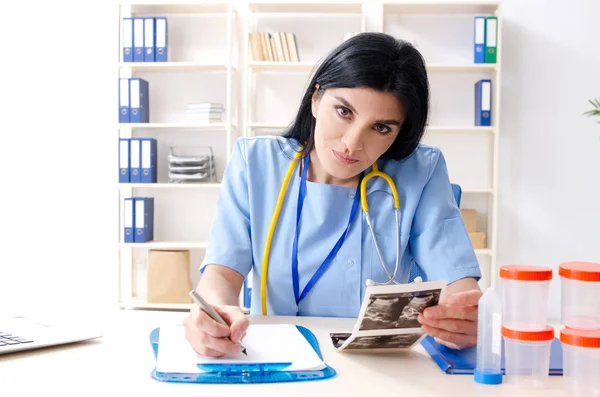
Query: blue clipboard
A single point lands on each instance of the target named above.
(244, 373)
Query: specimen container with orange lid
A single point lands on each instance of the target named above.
(527, 356)
(581, 361)
(580, 294)
(525, 296)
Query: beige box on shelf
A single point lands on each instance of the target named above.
(477, 240)
(169, 278)
(470, 218)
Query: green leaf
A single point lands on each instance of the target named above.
(596, 111)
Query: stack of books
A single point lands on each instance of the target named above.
(205, 112)
(274, 47)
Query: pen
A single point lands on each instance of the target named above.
(204, 305)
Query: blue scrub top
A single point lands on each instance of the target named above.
(432, 230)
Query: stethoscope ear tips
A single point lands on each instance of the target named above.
(370, 283)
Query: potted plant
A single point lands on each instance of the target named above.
(596, 110)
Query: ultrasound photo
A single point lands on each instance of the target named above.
(402, 341)
(397, 310)
(338, 339)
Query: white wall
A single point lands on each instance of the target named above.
(59, 206)
(59, 197)
(549, 203)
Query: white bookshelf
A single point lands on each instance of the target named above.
(375, 15)
(262, 108)
(480, 142)
(198, 69)
(262, 16)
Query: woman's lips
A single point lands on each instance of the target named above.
(343, 159)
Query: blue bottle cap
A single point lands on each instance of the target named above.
(488, 378)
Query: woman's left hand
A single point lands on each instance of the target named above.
(454, 322)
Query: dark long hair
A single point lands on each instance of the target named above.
(377, 61)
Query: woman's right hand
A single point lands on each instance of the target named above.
(209, 338)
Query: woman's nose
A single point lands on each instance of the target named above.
(353, 139)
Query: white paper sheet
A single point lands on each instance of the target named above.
(265, 343)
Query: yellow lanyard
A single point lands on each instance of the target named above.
(265, 263)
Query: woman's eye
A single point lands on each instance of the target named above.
(342, 111)
(382, 129)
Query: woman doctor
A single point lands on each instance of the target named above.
(366, 103)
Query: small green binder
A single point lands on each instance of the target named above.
(491, 39)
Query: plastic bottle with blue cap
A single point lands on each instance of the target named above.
(489, 339)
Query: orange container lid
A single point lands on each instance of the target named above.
(582, 271)
(530, 336)
(526, 273)
(580, 337)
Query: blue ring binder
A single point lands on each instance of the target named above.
(244, 373)
(463, 362)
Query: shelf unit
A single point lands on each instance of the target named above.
(365, 15)
(374, 14)
(254, 68)
(184, 57)
(463, 11)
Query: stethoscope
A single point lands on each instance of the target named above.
(365, 207)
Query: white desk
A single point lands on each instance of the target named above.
(119, 364)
